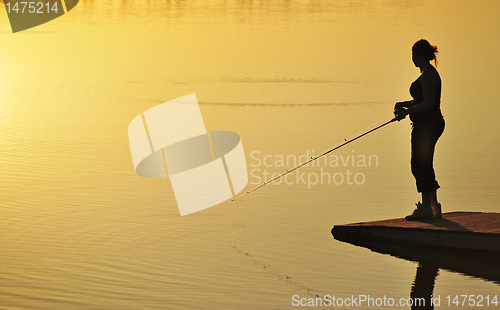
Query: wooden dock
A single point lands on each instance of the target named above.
(476, 231)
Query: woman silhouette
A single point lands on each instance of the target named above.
(428, 125)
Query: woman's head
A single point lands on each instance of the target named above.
(425, 50)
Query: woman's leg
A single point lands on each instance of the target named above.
(429, 198)
(423, 142)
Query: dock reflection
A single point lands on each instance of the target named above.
(479, 264)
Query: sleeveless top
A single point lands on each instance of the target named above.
(416, 92)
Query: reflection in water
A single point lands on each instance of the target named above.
(423, 286)
(289, 104)
(478, 264)
(243, 11)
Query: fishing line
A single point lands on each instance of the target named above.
(313, 158)
(266, 266)
(235, 225)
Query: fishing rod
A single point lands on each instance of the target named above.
(314, 158)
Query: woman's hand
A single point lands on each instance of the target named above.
(400, 113)
(403, 104)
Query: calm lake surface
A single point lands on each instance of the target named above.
(80, 230)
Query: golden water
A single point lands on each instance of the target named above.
(80, 230)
